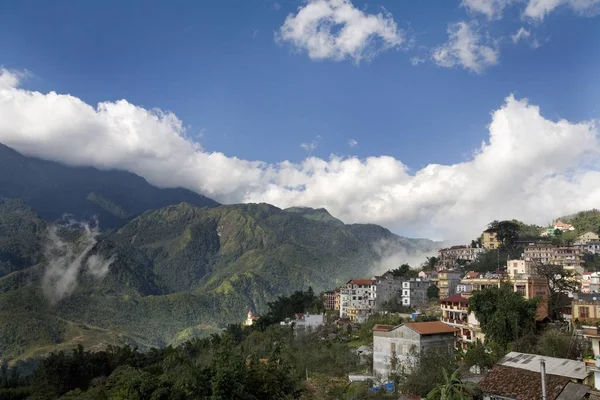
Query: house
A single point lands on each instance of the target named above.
(250, 319)
(592, 247)
(490, 239)
(355, 294)
(400, 344)
(592, 334)
(414, 292)
(587, 237)
(428, 275)
(517, 267)
(518, 376)
(447, 281)
(562, 226)
(455, 313)
(451, 257)
(306, 323)
(384, 288)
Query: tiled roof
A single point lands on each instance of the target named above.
(457, 298)
(361, 281)
(382, 328)
(430, 328)
(520, 384)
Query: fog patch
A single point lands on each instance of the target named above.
(67, 259)
(392, 254)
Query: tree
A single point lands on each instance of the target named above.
(424, 372)
(481, 355)
(560, 282)
(503, 314)
(431, 263)
(433, 292)
(404, 271)
(452, 388)
(507, 232)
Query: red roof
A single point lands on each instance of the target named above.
(472, 275)
(430, 328)
(457, 298)
(367, 282)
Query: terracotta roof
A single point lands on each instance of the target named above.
(457, 298)
(430, 328)
(382, 328)
(471, 275)
(361, 281)
(520, 384)
(563, 225)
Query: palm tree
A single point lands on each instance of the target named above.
(453, 388)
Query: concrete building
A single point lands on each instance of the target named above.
(355, 294)
(528, 286)
(400, 344)
(562, 226)
(587, 238)
(590, 282)
(591, 247)
(585, 308)
(567, 256)
(450, 256)
(331, 300)
(384, 288)
(455, 313)
(306, 323)
(490, 239)
(447, 281)
(428, 275)
(517, 267)
(414, 292)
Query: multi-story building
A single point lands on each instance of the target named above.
(447, 281)
(455, 313)
(517, 267)
(585, 308)
(401, 343)
(331, 300)
(384, 288)
(587, 238)
(590, 282)
(528, 286)
(490, 239)
(428, 275)
(450, 256)
(355, 294)
(414, 292)
(567, 256)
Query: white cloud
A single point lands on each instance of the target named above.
(530, 168)
(336, 30)
(491, 8)
(352, 143)
(465, 48)
(538, 9)
(310, 146)
(416, 61)
(522, 33)
(254, 33)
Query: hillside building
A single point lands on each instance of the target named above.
(414, 292)
(384, 288)
(447, 281)
(450, 257)
(455, 313)
(490, 239)
(355, 296)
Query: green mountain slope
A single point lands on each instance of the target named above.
(53, 189)
(178, 271)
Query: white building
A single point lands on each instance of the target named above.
(592, 247)
(397, 345)
(355, 295)
(517, 267)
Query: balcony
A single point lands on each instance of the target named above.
(454, 321)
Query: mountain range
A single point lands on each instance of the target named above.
(169, 265)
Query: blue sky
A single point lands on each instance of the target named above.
(219, 68)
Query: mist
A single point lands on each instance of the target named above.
(67, 259)
(392, 255)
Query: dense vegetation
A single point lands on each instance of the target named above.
(179, 272)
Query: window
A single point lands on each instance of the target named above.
(392, 347)
(584, 312)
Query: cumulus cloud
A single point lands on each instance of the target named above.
(352, 142)
(538, 9)
(530, 168)
(336, 30)
(416, 61)
(65, 261)
(491, 8)
(465, 48)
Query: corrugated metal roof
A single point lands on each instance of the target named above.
(573, 391)
(555, 366)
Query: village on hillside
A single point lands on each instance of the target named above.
(552, 270)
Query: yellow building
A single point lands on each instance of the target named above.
(490, 239)
(447, 281)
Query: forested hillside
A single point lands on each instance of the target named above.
(170, 274)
